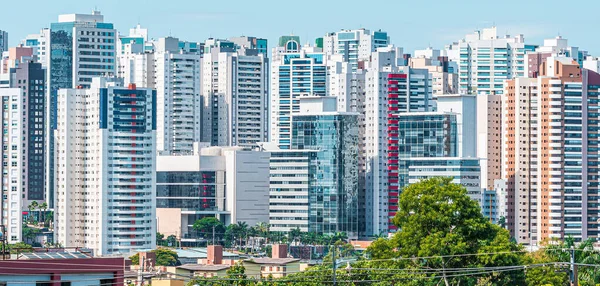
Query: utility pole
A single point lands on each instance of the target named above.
(573, 277)
(141, 273)
(334, 265)
(213, 235)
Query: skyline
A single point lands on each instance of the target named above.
(446, 23)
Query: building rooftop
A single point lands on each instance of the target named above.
(204, 267)
(276, 261)
(200, 253)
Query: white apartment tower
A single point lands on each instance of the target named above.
(487, 60)
(235, 92)
(355, 45)
(12, 180)
(105, 168)
(175, 75)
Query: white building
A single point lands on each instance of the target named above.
(105, 168)
(40, 43)
(465, 106)
(463, 171)
(487, 60)
(355, 45)
(235, 84)
(228, 183)
(12, 180)
(175, 75)
(288, 190)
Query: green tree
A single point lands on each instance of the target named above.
(205, 227)
(43, 207)
(294, 235)
(171, 241)
(437, 219)
(560, 251)
(135, 259)
(546, 275)
(20, 247)
(502, 221)
(160, 239)
(29, 233)
(166, 257)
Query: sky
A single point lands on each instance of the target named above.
(414, 24)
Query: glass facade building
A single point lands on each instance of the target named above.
(412, 135)
(333, 172)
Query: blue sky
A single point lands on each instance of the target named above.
(411, 24)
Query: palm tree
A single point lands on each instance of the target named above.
(243, 231)
(32, 206)
(50, 219)
(43, 207)
(294, 235)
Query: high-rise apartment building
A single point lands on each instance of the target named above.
(489, 138)
(23, 96)
(551, 153)
(13, 180)
(487, 60)
(295, 71)
(235, 84)
(355, 45)
(174, 72)
(82, 47)
(105, 168)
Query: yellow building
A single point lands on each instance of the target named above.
(277, 267)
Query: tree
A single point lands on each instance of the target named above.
(560, 251)
(294, 234)
(29, 233)
(20, 247)
(437, 219)
(502, 221)
(50, 219)
(171, 241)
(159, 239)
(135, 259)
(205, 227)
(42, 207)
(164, 257)
(31, 207)
(546, 275)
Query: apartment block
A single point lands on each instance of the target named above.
(105, 168)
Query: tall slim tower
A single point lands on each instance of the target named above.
(82, 47)
(106, 168)
(235, 82)
(551, 152)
